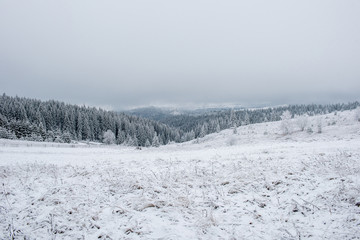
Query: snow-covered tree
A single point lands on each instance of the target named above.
(203, 131)
(86, 131)
(285, 122)
(66, 137)
(40, 119)
(129, 141)
(4, 133)
(232, 122)
(109, 137)
(34, 137)
(246, 119)
(50, 136)
(319, 125)
(120, 137)
(155, 141)
(136, 141)
(147, 143)
(302, 122)
(217, 128)
(3, 121)
(68, 124)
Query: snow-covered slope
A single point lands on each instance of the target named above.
(255, 184)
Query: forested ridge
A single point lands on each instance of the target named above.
(217, 120)
(54, 121)
(31, 119)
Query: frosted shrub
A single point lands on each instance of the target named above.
(302, 122)
(319, 125)
(4, 133)
(285, 122)
(109, 137)
(309, 130)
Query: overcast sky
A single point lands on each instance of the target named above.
(134, 53)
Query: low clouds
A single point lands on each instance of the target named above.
(139, 52)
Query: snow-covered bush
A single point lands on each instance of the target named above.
(4, 133)
(285, 122)
(302, 122)
(66, 137)
(34, 137)
(109, 137)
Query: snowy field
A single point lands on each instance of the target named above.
(255, 184)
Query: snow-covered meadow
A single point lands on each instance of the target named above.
(254, 184)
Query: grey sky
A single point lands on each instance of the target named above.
(128, 53)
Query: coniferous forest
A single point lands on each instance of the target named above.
(31, 119)
(54, 121)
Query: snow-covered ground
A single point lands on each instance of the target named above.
(255, 184)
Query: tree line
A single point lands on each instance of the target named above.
(54, 121)
(32, 119)
(215, 121)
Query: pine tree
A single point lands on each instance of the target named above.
(155, 141)
(40, 120)
(129, 141)
(79, 126)
(86, 129)
(218, 127)
(4, 133)
(66, 137)
(120, 137)
(246, 119)
(3, 121)
(285, 122)
(232, 122)
(203, 131)
(147, 143)
(67, 123)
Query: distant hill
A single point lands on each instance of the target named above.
(201, 122)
